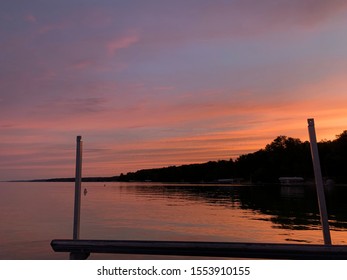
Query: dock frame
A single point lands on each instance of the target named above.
(81, 249)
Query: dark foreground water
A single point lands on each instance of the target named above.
(32, 214)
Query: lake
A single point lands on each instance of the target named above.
(32, 214)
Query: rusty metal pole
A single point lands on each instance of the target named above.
(319, 182)
(78, 180)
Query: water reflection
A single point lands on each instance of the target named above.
(33, 214)
(287, 207)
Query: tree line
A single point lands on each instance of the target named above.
(283, 157)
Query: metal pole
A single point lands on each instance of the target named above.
(319, 182)
(77, 206)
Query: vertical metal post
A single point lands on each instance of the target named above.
(78, 180)
(319, 182)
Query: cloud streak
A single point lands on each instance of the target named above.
(121, 43)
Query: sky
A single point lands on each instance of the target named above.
(158, 82)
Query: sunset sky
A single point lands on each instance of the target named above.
(161, 82)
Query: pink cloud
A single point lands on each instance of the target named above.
(52, 27)
(164, 88)
(82, 64)
(121, 43)
(30, 18)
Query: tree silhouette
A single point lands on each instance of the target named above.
(284, 156)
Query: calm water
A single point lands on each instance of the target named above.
(32, 214)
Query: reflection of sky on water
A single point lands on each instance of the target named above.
(287, 207)
(35, 213)
(291, 213)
